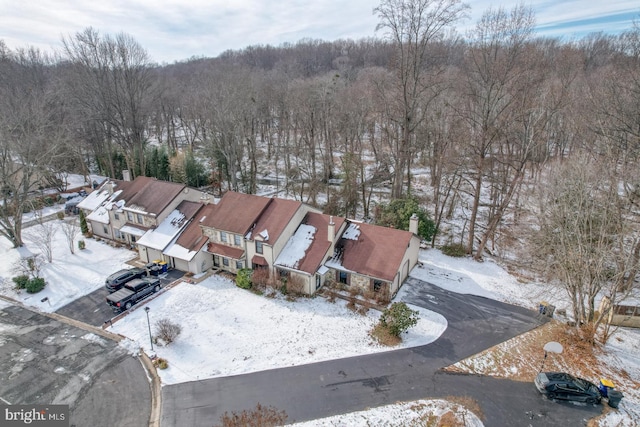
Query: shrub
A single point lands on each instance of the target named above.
(243, 278)
(81, 244)
(261, 416)
(21, 281)
(160, 363)
(456, 250)
(398, 318)
(167, 331)
(84, 228)
(35, 285)
(260, 278)
(295, 285)
(60, 215)
(384, 337)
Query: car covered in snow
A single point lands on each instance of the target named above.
(560, 385)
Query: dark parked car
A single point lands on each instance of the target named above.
(132, 292)
(559, 385)
(119, 278)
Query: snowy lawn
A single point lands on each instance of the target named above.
(486, 279)
(69, 276)
(229, 331)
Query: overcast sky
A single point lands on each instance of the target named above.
(174, 30)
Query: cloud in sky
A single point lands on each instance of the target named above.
(174, 30)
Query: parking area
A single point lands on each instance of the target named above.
(93, 308)
(47, 361)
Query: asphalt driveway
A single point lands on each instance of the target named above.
(93, 308)
(44, 361)
(318, 390)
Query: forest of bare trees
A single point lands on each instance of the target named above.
(507, 127)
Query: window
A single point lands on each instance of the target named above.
(283, 273)
(223, 237)
(318, 281)
(133, 238)
(129, 216)
(105, 229)
(116, 215)
(259, 248)
(342, 277)
(225, 262)
(377, 285)
(237, 240)
(239, 265)
(139, 219)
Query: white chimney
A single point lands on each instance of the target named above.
(126, 175)
(413, 224)
(331, 230)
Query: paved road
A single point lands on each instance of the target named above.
(339, 386)
(45, 361)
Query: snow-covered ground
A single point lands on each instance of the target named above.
(69, 276)
(227, 330)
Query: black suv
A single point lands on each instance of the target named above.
(119, 278)
(559, 385)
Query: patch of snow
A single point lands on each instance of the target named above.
(160, 237)
(352, 232)
(297, 246)
(398, 415)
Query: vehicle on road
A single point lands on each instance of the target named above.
(560, 385)
(119, 278)
(133, 292)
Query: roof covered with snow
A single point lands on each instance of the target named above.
(95, 199)
(160, 237)
(316, 246)
(191, 240)
(296, 247)
(101, 213)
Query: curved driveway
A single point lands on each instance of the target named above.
(340, 386)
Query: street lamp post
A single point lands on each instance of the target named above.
(149, 325)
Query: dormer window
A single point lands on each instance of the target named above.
(129, 217)
(139, 218)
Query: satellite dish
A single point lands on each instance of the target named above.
(553, 347)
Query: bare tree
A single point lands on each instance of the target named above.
(32, 127)
(42, 235)
(585, 238)
(495, 68)
(414, 27)
(112, 84)
(71, 230)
